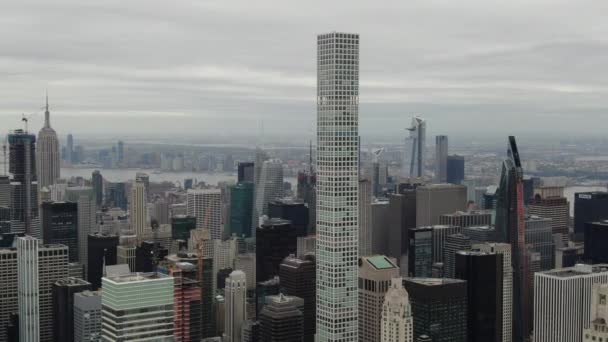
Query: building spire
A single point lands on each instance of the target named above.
(47, 115)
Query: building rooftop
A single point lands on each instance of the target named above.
(137, 277)
(434, 281)
(380, 262)
(71, 281)
(576, 271)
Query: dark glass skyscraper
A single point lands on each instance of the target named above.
(455, 166)
(292, 210)
(439, 308)
(60, 225)
(97, 183)
(102, 252)
(420, 252)
(63, 307)
(24, 187)
(275, 240)
(484, 275)
(116, 196)
(241, 209)
(596, 242)
(510, 228)
(181, 225)
(245, 172)
(588, 207)
(297, 278)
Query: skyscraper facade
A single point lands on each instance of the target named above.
(439, 308)
(337, 186)
(8, 288)
(420, 252)
(24, 184)
(281, 320)
(87, 316)
(418, 156)
(245, 172)
(588, 207)
(539, 236)
(60, 225)
(365, 217)
(275, 240)
(241, 209)
(453, 244)
(84, 197)
(598, 326)
(455, 169)
(138, 212)
(563, 301)
(206, 206)
(511, 228)
(375, 274)
(483, 273)
(269, 187)
(97, 183)
(596, 239)
(297, 276)
(397, 324)
(467, 218)
(137, 306)
(47, 149)
(441, 158)
(63, 307)
(434, 200)
(440, 234)
(549, 202)
(102, 252)
(235, 305)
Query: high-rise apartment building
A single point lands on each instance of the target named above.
(484, 276)
(297, 276)
(597, 329)
(47, 149)
(563, 301)
(397, 324)
(87, 316)
(60, 225)
(235, 305)
(281, 319)
(507, 284)
(375, 274)
(138, 211)
(511, 228)
(63, 307)
(136, 307)
(434, 200)
(337, 186)
(441, 158)
(588, 207)
(206, 206)
(439, 308)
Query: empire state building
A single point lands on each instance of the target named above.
(47, 156)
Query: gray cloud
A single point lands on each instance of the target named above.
(222, 67)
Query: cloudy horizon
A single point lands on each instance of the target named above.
(216, 67)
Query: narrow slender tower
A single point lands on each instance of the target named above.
(47, 152)
(337, 186)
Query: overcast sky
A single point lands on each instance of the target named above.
(201, 67)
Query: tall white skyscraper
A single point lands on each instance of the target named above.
(236, 305)
(28, 289)
(269, 187)
(138, 210)
(206, 206)
(441, 158)
(507, 284)
(365, 217)
(397, 324)
(562, 301)
(337, 186)
(47, 152)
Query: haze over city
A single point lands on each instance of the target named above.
(214, 68)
